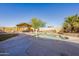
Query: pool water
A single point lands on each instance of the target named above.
(50, 36)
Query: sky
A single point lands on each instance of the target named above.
(53, 14)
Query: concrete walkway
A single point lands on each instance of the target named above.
(26, 45)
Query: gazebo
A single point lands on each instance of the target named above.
(23, 27)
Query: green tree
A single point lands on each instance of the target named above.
(37, 23)
(71, 24)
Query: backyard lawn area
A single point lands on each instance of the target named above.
(6, 36)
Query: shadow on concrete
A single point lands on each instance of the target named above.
(27, 45)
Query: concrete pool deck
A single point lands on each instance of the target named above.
(26, 45)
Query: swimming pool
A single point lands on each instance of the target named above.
(50, 36)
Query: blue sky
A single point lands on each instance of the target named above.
(53, 14)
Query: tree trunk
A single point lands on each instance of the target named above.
(36, 32)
